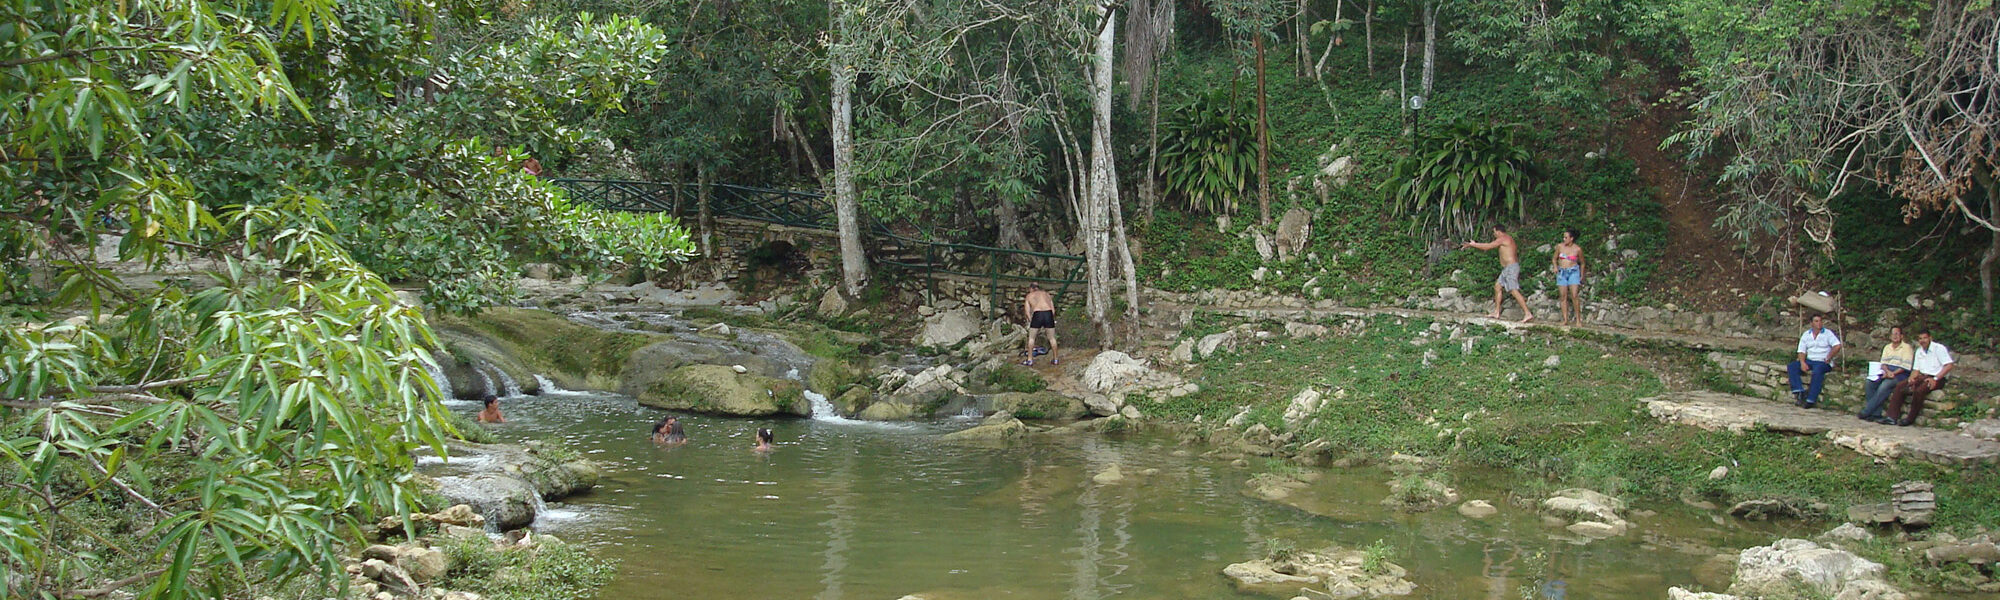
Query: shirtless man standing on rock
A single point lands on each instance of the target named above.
(1510, 272)
(1040, 309)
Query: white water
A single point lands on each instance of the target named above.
(508, 387)
(548, 386)
(485, 379)
(437, 374)
(823, 410)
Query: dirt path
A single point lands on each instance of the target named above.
(1700, 268)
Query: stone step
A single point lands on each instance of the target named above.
(1716, 411)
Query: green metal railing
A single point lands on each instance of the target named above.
(813, 211)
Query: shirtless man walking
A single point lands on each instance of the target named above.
(1040, 309)
(1510, 272)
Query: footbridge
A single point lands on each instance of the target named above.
(749, 220)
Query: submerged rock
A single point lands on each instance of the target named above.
(1341, 573)
(999, 427)
(1477, 509)
(1596, 515)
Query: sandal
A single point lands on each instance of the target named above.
(1030, 362)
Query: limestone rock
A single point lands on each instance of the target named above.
(1263, 244)
(1778, 569)
(1764, 509)
(391, 576)
(506, 502)
(424, 565)
(1585, 503)
(888, 410)
(1477, 509)
(460, 515)
(1104, 405)
(1595, 529)
(1183, 352)
(1293, 232)
(1305, 330)
(1109, 475)
(1847, 532)
(721, 390)
(1552, 361)
(1985, 429)
(1718, 473)
(999, 427)
(927, 387)
(1303, 405)
(1974, 552)
(381, 552)
(833, 304)
(1337, 571)
(1116, 372)
(1675, 593)
(1040, 405)
(1216, 341)
(947, 328)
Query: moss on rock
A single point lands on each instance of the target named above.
(575, 355)
(720, 390)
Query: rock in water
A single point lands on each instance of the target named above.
(1778, 570)
(1477, 509)
(1681, 594)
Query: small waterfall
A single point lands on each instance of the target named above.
(508, 387)
(822, 408)
(437, 374)
(548, 386)
(486, 380)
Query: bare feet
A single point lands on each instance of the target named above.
(1528, 319)
(1493, 315)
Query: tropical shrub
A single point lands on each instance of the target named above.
(1462, 176)
(1208, 151)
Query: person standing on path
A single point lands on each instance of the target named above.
(1040, 309)
(1568, 265)
(1817, 347)
(1897, 357)
(1932, 363)
(1510, 272)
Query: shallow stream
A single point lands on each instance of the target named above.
(846, 510)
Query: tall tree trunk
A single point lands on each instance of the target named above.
(1301, 42)
(703, 218)
(1992, 183)
(1368, 28)
(1126, 263)
(1430, 46)
(1319, 68)
(1263, 142)
(1103, 180)
(1149, 196)
(853, 259)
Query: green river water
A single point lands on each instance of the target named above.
(845, 510)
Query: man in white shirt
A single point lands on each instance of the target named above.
(1933, 364)
(1817, 347)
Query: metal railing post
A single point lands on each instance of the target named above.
(930, 271)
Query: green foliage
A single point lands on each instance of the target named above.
(1462, 176)
(1015, 378)
(1208, 150)
(547, 571)
(1376, 557)
(465, 428)
(1280, 549)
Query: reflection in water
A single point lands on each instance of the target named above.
(839, 527)
(862, 512)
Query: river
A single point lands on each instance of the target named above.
(846, 510)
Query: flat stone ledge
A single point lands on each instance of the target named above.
(1716, 411)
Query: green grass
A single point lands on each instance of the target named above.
(545, 572)
(1578, 425)
(1359, 252)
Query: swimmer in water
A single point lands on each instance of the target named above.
(668, 431)
(491, 414)
(763, 440)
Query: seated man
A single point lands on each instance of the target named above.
(1897, 357)
(1932, 363)
(1817, 347)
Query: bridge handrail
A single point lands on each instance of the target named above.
(736, 205)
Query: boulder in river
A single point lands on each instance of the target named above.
(1780, 569)
(720, 390)
(999, 427)
(1040, 405)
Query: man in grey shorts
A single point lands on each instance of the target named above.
(1510, 272)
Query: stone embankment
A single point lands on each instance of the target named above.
(506, 484)
(1717, 411)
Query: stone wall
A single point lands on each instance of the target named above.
(1842, 390)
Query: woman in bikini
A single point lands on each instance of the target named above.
(1568, 266)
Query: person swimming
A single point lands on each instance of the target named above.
(763, 440)
(668, 431)
(491, 414)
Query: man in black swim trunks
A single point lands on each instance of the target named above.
(1040, 308)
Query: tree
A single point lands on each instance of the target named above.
(1825, 99)
(842, 54)
(244, 430)
(1254, 19)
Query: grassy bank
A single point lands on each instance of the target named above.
(1491, 401)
